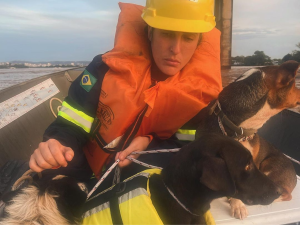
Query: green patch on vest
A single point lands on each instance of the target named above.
(87, 81)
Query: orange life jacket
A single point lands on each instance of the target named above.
(125, 88)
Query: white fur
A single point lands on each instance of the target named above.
(258, 120)
(238, 209)
(249, 73)
(28, 208)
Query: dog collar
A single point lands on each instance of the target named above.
(179, 202)
(240, 133)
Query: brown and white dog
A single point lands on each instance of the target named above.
(58, 201)
(243, 107)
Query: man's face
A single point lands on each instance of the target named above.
(172, 50)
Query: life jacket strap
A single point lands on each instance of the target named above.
(114, 203)
(125, 140)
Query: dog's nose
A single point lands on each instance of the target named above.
(279, 191)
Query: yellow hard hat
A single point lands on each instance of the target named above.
(196, 16)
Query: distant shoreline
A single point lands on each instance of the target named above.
(51, 64)
(40, 67)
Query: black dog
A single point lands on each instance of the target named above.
(58, 201)
(208, 168)
(243, 107)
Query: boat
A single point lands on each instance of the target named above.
(25, 112)
(27, 109)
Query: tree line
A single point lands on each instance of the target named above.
(259, 58)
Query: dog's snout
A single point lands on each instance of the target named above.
(279, 191)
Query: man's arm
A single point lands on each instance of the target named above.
(64, 139)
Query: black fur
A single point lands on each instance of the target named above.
(208, 168)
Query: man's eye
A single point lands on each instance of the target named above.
(189, 38)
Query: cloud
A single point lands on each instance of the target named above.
(40, 33)
(90, 23)
(249, 33)
(269, 26)
(82, 28)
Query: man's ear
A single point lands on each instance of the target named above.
(216, 176)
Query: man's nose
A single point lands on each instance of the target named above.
(175, 46)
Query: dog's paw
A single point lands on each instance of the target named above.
(238, 209)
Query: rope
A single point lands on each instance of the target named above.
(143, 164)
(133, 160)
(58, 108)
(292, 159)
(155, 151)
(22, 179)
(117, 176)
(179, 202)
(103, 178)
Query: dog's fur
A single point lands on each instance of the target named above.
(210, 167)
(58, 201)
(249, 102)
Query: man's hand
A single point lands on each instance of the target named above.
(50, 154)
(138, 144)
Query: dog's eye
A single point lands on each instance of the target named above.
(247, 168)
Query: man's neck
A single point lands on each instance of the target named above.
(157, 74)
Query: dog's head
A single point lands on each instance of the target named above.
(214, 166)
(260, 93)
(58, 201)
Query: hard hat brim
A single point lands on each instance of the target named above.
(191, 26)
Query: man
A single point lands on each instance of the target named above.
(149, 91)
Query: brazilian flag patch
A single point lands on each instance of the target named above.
(87, 81)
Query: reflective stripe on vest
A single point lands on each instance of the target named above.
(186, 135)
(135, 205)
(75, 116)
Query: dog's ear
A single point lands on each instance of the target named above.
(216, 176)
(284, 74)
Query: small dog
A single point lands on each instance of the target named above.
(243, 107)
(58, 201)
(208, 168)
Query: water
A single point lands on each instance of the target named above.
(10, 77)
(230, 75)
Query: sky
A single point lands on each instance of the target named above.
(77, 30)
